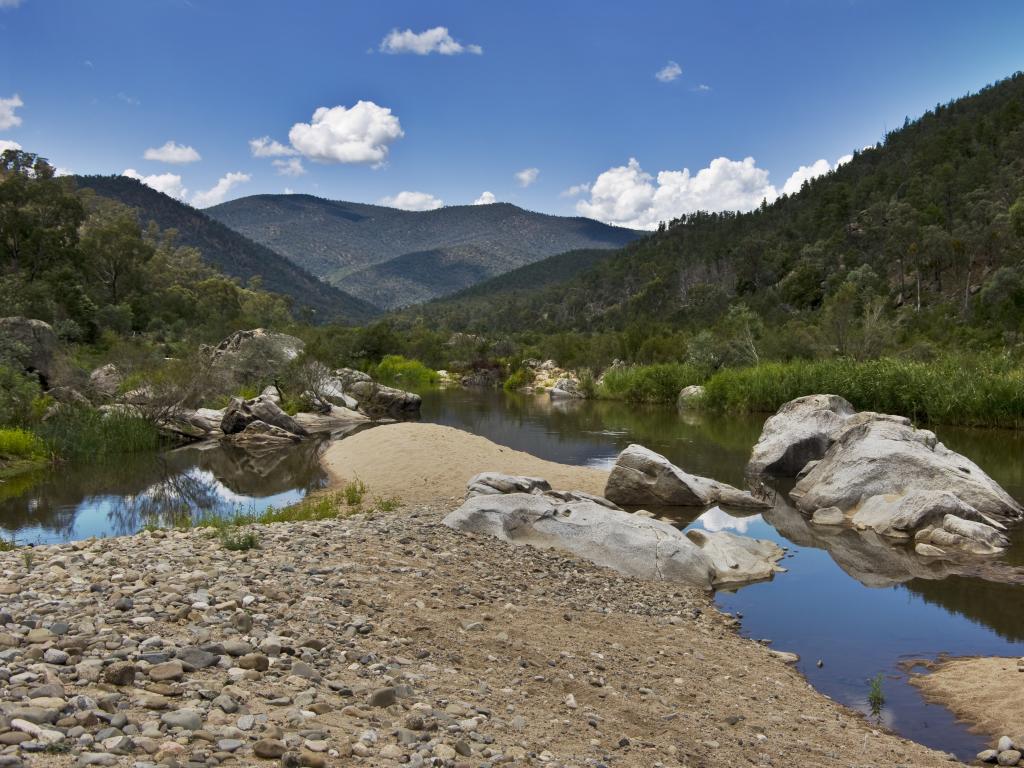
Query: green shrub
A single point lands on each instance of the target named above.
(16, 443)
(17, 392)
(399, 371)
(237, 540)
(354, 492)
(518, 379)
(648, 383)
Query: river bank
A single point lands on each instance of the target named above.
(393, 639)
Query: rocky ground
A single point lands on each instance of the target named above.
(390, 640)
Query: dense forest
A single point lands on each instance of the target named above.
(914, 246)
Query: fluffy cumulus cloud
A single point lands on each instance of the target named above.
(8, 119)
(412, 201)
(631, 197)
(5, 145)
(290, 167)
(219, 191)
(669, 72)
(486, 198)
(172, 152)
(436, 40)
(576, 190)
(527, 176)
(807, 172)
(168, 183)
(267, 147)
(359, 134)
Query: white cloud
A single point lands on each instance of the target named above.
(360, 134)
(629, 196)
(5, 145)
(9, 3)
(128, 99)
(412, 201)
(289, 191)
(168, 183)
(436, 40)
(702, 88)
(290, 167)
(58, 171)
(807, 172)
(527, 176)
(7, 117)
(575, 190)
(486, 198)
(219, 191)
(267, 147)
(172, 152)
(669, 72)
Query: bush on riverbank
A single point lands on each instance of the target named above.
(648, 383)
(76, 433)
(979, 392)
(398, 371)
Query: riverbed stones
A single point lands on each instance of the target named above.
(186, 719)
(642, 477)
(799, 432)
(120, 673)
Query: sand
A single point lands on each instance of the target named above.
(983, 692)
(422, 463)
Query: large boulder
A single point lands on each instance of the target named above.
(260, 436)
(240, 413)
(738, 559)
(689, 397)
(253, 354)
(32, 343)
(378, 400)
(334, 421)
(198, 424)
(800, 431)
(490, 483)
(632, 544)
(642, 477)
(566, 389)
(888, 457)
(105, 381)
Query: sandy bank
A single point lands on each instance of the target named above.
(428, 462)
(984, 692)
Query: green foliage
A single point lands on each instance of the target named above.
(238, 540)
(980, 391)
(648, 383)
(85, 433)
(408, 374)
(354, 492)
(16, 443)
(876, 697)
(18, 392)
(518, 379)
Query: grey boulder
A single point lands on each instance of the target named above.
(802, 430)
(489, 483)
(239, 414)
(379, 400)
(105, 380)
(689, 397)
(642, 477)
(32, 343)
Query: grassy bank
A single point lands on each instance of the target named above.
(987, 391)
(78, 433)
(979, 392)
(20, 451)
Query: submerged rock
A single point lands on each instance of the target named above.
(799, 432)
(642, 477)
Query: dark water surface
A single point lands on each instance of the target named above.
(860, 607)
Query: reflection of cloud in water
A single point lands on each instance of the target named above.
(716, 519)
(602, 462)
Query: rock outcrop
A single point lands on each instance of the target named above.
(689, 397)
(240, 414)
(642, 477)
(247, 355)
(32, 343)
(800, 431)
(379, 400)
(632, 544)
(105, 381)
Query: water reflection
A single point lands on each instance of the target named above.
(75, 501)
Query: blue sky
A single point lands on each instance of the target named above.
(567, 88)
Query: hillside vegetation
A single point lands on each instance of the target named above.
(914, 246)
(232, 253)
(393, 258)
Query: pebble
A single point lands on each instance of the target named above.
(269, 748)
(120, 673)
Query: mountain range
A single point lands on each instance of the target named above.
(393, 258)
(232, 253)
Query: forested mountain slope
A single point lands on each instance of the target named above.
(232, 253)
(921, 234)
(394, 258)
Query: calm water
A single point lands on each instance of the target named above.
(859, 608)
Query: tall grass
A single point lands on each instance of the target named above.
(80, 433)
(399, 371)
(987, 391)
(648, 383)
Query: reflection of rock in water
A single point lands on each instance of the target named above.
(875, 561)
(987, 602)
(262, 473)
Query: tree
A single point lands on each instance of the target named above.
(114, 249)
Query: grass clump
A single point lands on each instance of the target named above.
(75, 433)
(658, 383)
(399, 371)
(238, 540)
(18, 443)
(876, 697)
(518, 379)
